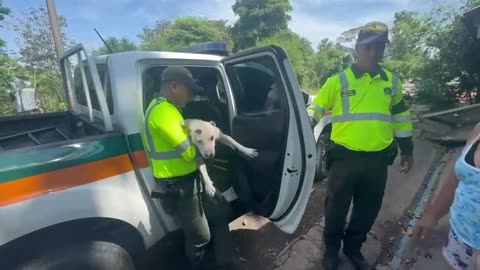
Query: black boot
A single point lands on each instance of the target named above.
(356, 258)
(330, 260)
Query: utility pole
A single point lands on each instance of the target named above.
(57, 35)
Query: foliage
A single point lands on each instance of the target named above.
(38, 55)
(3, 11)
(406, 53)
(7, 68)
(452, 55)
(37, 48)
(349, 37)
(299, 52)
(184, 31)
(331, 58)
(259, 20)
(429, 49)
(116, 45)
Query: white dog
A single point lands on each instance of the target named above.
(204, 135)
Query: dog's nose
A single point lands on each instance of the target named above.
(210, 155)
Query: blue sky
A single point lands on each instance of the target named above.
(313, 19)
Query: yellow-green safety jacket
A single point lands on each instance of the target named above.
(367, 112)
(167, 145)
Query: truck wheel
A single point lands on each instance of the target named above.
(94, 255)
(321, 163)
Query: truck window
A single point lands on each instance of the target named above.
(208, 107)
(104, 75)
(207, 78)
(251, 83)
(79, 88)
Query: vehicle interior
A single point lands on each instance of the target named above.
(257, 181)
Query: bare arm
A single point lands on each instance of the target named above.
(444, 199)
(441, 203)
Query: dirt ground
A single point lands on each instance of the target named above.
(259, 242)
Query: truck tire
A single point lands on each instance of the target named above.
(321, 171)
(93, 255)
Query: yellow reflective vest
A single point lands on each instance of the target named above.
(167, 145)
(367, 112)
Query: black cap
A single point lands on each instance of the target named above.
(374, 32)
(181, 75)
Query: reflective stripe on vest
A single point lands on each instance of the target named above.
(347, 116)
(317, 108)
(395, 82)
(167, 154)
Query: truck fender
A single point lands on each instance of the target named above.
(70, 233)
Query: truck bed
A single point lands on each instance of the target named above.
(38, 129)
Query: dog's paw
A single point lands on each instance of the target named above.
(209, 188)
(250, 152)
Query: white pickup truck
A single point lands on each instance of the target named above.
(75, 186)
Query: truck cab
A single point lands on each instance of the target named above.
(80, 180)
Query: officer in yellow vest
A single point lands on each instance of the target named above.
(369, 119)
(173, 160)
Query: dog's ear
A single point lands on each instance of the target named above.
(213, 123)
(185, 124)
(217, 133)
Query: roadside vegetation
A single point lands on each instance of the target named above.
(434, 52)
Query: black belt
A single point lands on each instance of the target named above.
(174, 179)
(389, 153)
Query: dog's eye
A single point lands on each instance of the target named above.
(200, 141)
(211, 138)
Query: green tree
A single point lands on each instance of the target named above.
(37, 53)
(406, 52)
(452, 54)
(8, 67)
(116, 45)
(184, 31)
(3, 12)
(259, 19)
(331, 58)
(349, 37)
(300, 53)
(37, 48)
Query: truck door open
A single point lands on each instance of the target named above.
(277, 184)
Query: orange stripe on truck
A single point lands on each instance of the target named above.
(41, 184)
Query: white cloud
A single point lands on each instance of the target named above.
(147, 16)
(315, 28)
(214, 9)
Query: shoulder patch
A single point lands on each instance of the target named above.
(349, 93)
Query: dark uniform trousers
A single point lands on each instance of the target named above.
(357, 176)
(201, 217)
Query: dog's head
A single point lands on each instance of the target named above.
(203, 135)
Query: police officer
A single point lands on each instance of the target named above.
(369, 119)
(173, 160)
